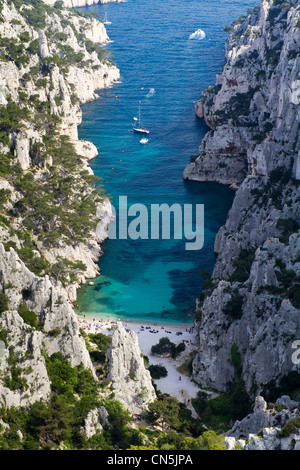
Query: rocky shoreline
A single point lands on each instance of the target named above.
(248, 318)
(253, 146)
(80, 82)
(44, 80)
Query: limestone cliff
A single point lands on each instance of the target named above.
(53, 215)
(267, 428)
(130, 380)
(24, 343)
(253, 145)
(63, 65)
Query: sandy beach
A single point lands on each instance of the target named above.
(175, 384)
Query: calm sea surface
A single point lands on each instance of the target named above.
(156, 280)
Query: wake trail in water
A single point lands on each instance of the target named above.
(151, 93)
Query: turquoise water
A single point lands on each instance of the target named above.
(156, 280)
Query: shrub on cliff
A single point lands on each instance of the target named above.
(36, 16)
(233, 308)
(11, 119)
(242, 265)
(292, 427)
(287, 228)
(3, 302)
(28, 316)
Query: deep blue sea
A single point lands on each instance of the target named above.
(161, 67)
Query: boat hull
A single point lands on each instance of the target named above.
(140, 130)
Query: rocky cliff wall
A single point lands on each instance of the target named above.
(63, 69)
(266, 428)
(130, 379)
(253, 145)
(56, 330)
(54, 215)
(52, 60)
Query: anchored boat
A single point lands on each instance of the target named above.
(137, 126)
(106, 19)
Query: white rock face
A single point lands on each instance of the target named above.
(9, 78)
(64, 91)
(232, 443)
(36, 384)
(126, 370)
(50, 303)
(2, 350)
(269, 89)
(94, 421)
(23, 142)
(87, 82)
(261, 430)
(261, 418)
(43, 44)
(88, 253)
(87, 149)
(254, 113)
(105, 216)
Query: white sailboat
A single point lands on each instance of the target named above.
(137, 126)
(106, 19)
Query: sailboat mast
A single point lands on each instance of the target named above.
(139, 114)
(137, 127)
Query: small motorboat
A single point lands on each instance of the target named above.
(144, 141)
